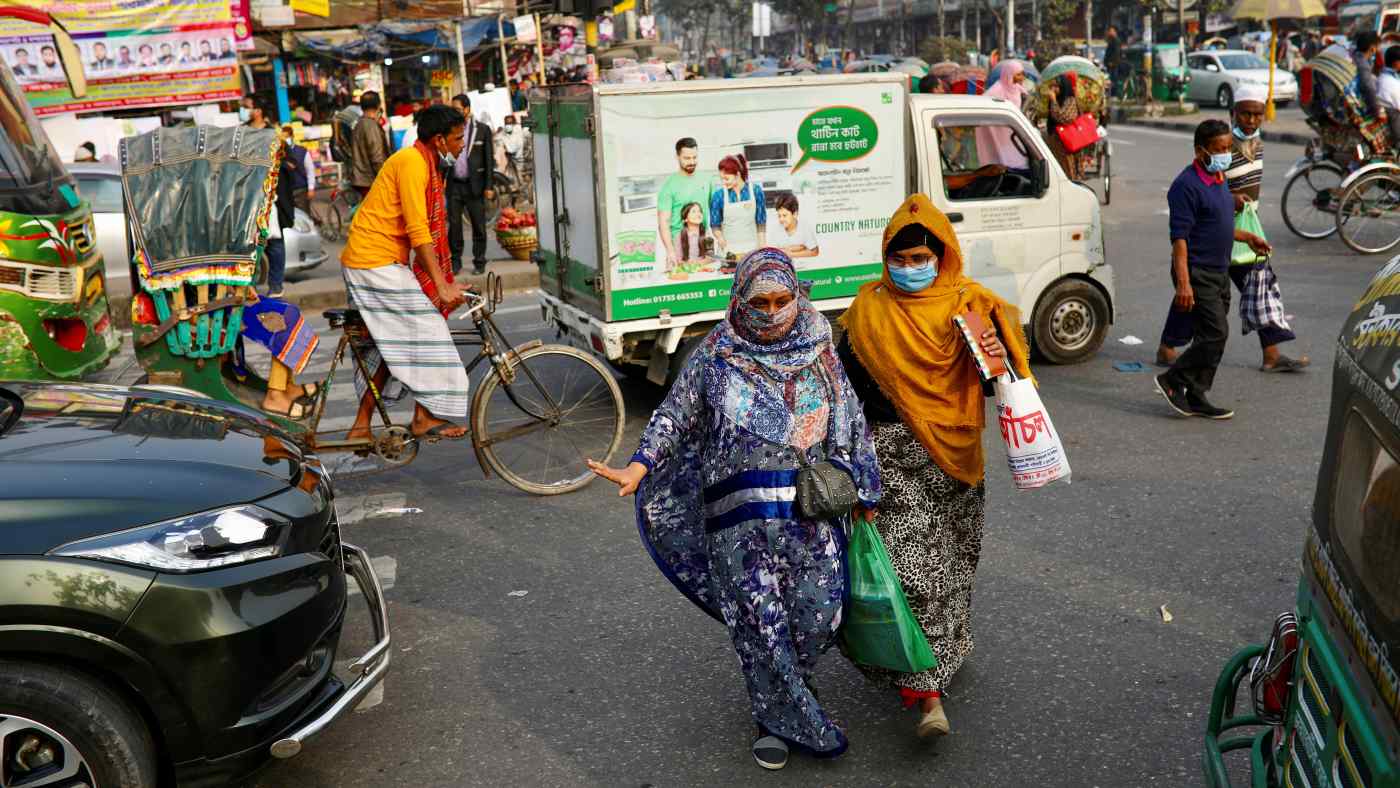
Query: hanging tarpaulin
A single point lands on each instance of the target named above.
(135, 53)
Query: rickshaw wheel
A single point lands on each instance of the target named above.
(396, 446)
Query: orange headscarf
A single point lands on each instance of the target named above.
(910, 346)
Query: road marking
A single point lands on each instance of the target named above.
(1151, 131)
(1118, 141)
(354, 508)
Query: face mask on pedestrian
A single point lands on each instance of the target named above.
(244, 114)
(769, 327)
(913, 278)
(1240, 135)
(1216, 163)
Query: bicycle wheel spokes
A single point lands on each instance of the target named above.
(563, 408)
(1310, 201)
(1369, 215)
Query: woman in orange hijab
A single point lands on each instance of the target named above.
(923, 399)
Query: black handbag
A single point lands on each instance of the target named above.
(824, 491)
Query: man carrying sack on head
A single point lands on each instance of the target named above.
(405, 309)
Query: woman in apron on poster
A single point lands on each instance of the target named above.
(738, 217)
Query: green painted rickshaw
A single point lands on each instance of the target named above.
(53, 291)
(1323, 692)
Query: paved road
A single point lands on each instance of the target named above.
(601, 675)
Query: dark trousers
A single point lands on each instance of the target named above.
(276, 263)
(1181, 326)
(1194, 369)
(459, 201)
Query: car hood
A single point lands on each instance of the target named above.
(1262, 75)
(85, 460)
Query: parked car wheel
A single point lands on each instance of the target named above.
(59, 727)
(1225, 97)
(1070, 323)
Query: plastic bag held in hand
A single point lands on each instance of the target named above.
(1033, 448)
(879, 628)
(1247, 220)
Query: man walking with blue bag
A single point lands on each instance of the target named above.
(1203, 235)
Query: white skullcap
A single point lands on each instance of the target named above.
(1247, 92)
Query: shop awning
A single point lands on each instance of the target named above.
(481, 30)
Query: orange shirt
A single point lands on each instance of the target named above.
(393, 218)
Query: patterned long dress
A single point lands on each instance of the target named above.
(716, 513)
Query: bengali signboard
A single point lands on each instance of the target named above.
(136, 53)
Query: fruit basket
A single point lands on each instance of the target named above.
(517, 233)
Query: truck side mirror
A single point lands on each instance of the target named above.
(1040, 172)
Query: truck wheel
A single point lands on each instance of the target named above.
(1070, 322)
(60, 727)
(682, 355)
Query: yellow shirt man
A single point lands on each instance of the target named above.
(393, 219)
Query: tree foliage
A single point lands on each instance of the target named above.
(935, 49)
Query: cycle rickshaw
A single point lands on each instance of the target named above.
(197, 202)
(1347, 181)
(1091, 91)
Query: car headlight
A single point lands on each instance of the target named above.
(208, 540)
(303, 225)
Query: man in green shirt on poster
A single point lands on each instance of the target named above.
(680, 189)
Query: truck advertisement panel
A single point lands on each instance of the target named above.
(816, 170)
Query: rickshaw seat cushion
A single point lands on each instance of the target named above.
(339, 318)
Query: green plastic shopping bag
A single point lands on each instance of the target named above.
(880, 629)
(1248, 220)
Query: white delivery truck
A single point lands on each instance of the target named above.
(640, 226)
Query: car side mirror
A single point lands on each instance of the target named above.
(1040, 173)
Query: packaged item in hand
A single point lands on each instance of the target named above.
(973, 327)
(879, 627)
(1033, 448)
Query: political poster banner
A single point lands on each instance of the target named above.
(135, 53)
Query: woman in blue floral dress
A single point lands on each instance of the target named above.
(715, 479)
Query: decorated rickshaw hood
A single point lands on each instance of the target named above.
(197, 200)
(85, 460)
(58, 239)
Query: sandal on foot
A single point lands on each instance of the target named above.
(933, 723)
(770, 752)
(435, 433)
(1286, 364)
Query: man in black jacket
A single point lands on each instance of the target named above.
(469, 187)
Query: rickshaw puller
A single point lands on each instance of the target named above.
(405, 211)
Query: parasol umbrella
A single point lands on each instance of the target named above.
(1271, 11)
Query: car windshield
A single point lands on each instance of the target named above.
(1242, 62)
(30, 170)
(1170, 58)
(104, 194)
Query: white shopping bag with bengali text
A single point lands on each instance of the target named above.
(1033, 448)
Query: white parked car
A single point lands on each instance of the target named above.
(1216, 76)
(100, 183)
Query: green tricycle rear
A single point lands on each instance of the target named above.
(1323, 690)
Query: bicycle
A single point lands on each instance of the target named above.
(1310, 196)
(335, 217)
(1368, 212)
(535, 399)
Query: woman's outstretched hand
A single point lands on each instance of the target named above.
(627, 479)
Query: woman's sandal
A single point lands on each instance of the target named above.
(309, 392)
(770, 752)
(1286, 364)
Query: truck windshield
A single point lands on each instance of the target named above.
(30, 170)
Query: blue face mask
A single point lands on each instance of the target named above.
(245, 114)
(1240, 135)
(915, 277)
(1219, 162)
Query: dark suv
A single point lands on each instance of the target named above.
(172, 590)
